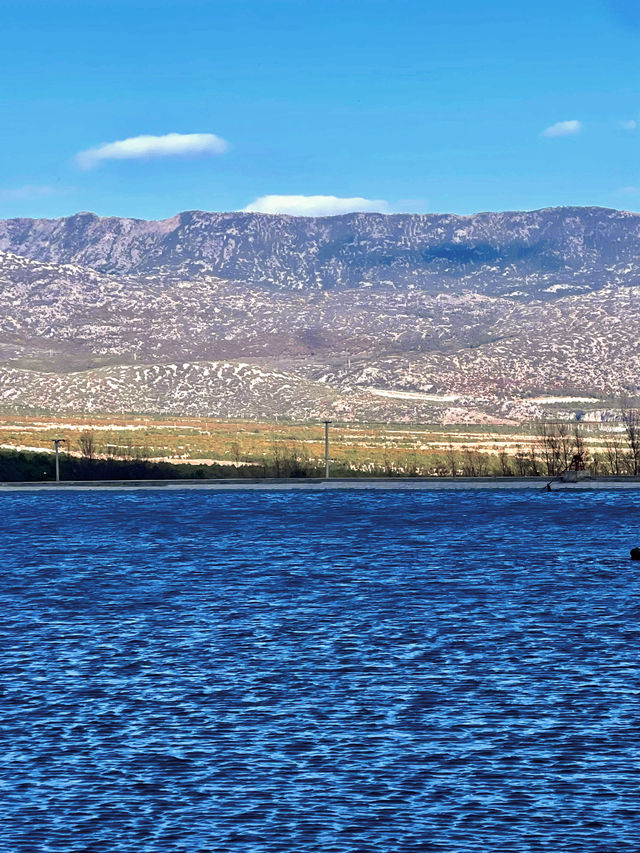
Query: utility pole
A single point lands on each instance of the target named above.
(326, 449)
(56, 443)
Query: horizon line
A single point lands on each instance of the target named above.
(366, 213)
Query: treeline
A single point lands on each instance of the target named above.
(553, 449)
(617, 454)
(31, 466)
(284, 461)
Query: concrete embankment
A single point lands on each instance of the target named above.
(309, 484)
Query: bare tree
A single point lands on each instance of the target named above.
(613, 455)
(236, 452)
(452, 460)
(468, 463)
(565, 442)
(277, 458)
(474, 463)
(534, 465)
(87, 444)
(482, 464)
(550, 445)
(505, 463)
(522, 465)
(411, 465)
(558, 446)
(631, 421)
(581, 451)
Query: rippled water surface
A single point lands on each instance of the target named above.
(364, 671)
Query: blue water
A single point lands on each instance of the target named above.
(365, 671)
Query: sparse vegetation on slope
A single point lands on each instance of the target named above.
(494, 318)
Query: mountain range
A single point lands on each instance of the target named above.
(492, 317)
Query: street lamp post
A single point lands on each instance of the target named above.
(56, 443)
(326, 449)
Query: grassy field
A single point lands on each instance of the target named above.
(375, 448)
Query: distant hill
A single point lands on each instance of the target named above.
(357, 316)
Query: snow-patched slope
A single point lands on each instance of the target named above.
(74, 338)
(224, 389)
(545, 252)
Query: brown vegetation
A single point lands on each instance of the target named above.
(545, 448)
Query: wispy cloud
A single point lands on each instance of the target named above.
(315, 205)
(25, 192)
(630, 124)
(629, 190)
(563, 128)
(144, 147)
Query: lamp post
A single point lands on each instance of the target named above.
(56, 443)
(326, 449)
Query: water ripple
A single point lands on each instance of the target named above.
(332, 672)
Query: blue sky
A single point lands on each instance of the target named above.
(407, 105)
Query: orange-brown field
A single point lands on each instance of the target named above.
(415, 448)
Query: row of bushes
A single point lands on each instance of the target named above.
(33, 466)
(24, 466)
(30, 466)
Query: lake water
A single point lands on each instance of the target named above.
(365, 671)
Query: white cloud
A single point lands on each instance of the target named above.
(315, 205)
(563, 128)
(631, 124)
(142, 147)
(630, 190)
(25, 192)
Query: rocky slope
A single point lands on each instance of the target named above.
(543, 253)
(361, 316)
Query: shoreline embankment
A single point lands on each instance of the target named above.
(314, 484)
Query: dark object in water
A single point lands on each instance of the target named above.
(635, 553)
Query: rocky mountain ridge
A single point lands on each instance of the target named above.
(124, 316)
(541, 254)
